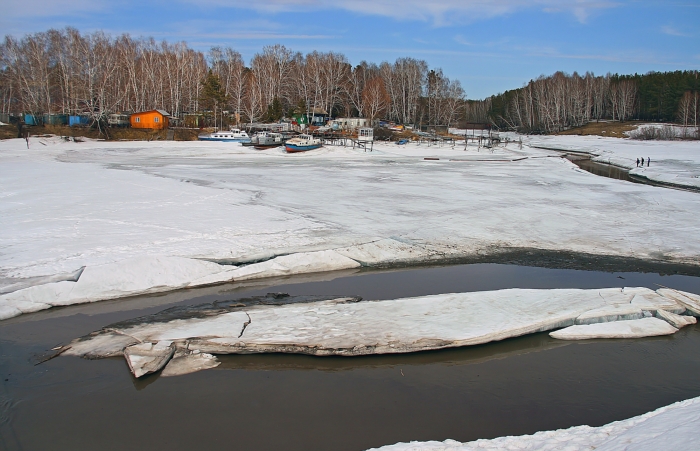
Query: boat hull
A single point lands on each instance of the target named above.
(292, 148)
(266, 146)
(233, 140)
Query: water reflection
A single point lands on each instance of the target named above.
(456, 356)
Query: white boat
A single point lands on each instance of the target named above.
(302, 143)
(233, 135)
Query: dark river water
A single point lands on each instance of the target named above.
(295, 402)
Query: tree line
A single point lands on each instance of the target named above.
(66, 72)
(94, 74)
(560, 101)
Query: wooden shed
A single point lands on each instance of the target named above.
(155, 119)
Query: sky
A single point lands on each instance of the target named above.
(489, 45)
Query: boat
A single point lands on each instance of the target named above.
(302, 143)
(267, 140)
(233, 135)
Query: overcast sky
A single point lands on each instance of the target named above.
(489, 45)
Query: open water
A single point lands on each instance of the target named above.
(295, 402)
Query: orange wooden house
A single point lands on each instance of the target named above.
(155, 119)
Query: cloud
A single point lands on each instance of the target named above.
(459, 39)
(439, 12)
(641, 56)
(672, 31)
(51, 8)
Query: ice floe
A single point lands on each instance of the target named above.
(348, 326)
(145, 358)
(688, 300)
(285, 265)
(186, 362)
(650, 301)
(637, 328)
(676, 321)
(672, 427)
(614, 312)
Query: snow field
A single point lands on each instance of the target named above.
(152, 217)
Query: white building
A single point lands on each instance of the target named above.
(348, 123)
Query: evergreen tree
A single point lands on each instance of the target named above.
(213, 96)
(275, 111)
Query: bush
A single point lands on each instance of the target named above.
(650, 132)
(382, 134)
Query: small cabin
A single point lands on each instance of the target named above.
(365, 134)
(318, 117)
(153, 119)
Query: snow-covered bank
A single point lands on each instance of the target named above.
(672, 162)
(145, 275)
(672, 427)
(349, 327)
(151, 217)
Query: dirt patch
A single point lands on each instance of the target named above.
(8, 131)
(608, 128)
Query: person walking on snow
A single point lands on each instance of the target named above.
(642, 161)
(637, 162)
(648, 161)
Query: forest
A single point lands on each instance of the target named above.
(560, 101)
(94, 74)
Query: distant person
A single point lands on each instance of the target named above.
(642, 161)
(648, 161)
(637, 162)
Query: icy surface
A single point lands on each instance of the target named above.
(672, 427)
(638, 328)
(68, 205)
(142, 275)
(675, 162)
(185, 362)
(677, 321)
(688, 300)
(303, 262)
(145, 358)
(344, 326)
(650, 300)
(615, 312)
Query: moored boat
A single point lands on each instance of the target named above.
(233, 135)
(302, 143)
(267, 140)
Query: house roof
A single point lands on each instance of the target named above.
(163, 112)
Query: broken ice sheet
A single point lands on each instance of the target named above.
(145, 358)
(347, 326)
